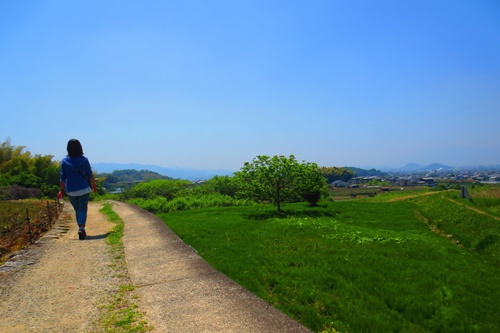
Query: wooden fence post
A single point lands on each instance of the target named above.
(30, 232)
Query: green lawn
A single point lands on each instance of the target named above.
(356, 266)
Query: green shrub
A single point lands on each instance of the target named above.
(168, 189)
(156, 205)
(162, 205)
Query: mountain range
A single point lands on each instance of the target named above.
(415, 167)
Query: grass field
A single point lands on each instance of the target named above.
(370, 265)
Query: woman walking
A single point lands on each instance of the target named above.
(77, 180)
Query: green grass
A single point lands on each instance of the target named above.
(470, 229)
(353, 266)
(120, 314)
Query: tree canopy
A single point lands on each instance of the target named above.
(19, 169)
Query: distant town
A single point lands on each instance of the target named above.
(424, 178)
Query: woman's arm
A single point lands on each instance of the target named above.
(93, 184)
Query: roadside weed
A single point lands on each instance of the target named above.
(121, 314)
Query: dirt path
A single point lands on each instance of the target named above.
(416, 196)
(474, 209)
(454, 201)
(58, 284)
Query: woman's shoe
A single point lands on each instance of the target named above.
(82, 234)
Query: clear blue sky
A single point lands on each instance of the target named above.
(212, 84)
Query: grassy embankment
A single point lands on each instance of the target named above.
(393, 263)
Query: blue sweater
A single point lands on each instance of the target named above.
(75, 173)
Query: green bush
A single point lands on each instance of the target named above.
(162, 205)
(168, 189)
(156, 205)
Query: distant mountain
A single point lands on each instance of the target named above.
(415, 167)
(178, 173)
(358, 172)
(412, 167)
(131, 176)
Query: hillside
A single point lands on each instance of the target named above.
(358, 172)
(126, 178)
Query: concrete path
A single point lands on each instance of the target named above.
(180, 292)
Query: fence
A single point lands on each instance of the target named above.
(26, 227)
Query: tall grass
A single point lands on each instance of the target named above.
(351, 266)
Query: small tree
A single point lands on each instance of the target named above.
(311, 183)
(280, 179)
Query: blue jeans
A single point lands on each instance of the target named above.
(80, 204)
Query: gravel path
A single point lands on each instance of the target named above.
(59, 283)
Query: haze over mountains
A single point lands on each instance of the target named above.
(194, 174)
(415, 167)
(180, 173)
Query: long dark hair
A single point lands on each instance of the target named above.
(74, 148)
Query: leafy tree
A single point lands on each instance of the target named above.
(19, 167)
(311, 183)
(279, 179)
(8, 151)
